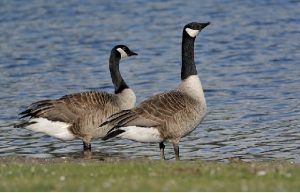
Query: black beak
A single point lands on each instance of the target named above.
(132, 53)
(204, 25)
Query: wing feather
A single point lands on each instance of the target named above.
(69, 107)
(153, 112)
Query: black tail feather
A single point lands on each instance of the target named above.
(114, 117)
(25, 112)
(113, 133)
(104, 123)
(39, 103)
(23, 124)
(35, 108)
(26, 115)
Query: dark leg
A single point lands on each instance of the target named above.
(162, 150)
(176, 150)
(87, 146)
(87, 150)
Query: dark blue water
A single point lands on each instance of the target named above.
(248, 60)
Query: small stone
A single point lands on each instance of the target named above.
(261, 173)
(62, 178)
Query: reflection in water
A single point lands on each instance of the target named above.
(248, 61)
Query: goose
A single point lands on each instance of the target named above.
(168, 116)
(78, 115)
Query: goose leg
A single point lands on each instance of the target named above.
(162, 150)
(87, 146)
(176, 150)
(87, 150)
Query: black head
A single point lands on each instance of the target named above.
(124, 51)
(192, 29)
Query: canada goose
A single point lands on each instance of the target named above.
(78, 115)
(171, 115)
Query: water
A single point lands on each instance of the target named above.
(247, 59)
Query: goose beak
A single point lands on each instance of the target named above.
(204, 25)
(132, 53)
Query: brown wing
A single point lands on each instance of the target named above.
(69, 107)
(153, 112)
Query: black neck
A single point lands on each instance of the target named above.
(188, 67)
(116, 77)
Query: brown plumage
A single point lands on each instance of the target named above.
(79, 115)
(83, 111)
(168, 112)
(171, 115)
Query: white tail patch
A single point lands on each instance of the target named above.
(53, 128)
(192, 32)
(122, 52)
(141, 134)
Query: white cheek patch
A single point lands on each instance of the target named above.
(192, 32)
(122, 52)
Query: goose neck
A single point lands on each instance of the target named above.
(188, 64)
(116, 76)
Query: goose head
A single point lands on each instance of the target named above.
(124, 51)
(192, 29)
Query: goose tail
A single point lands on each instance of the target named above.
(113, 133)
(15, 125)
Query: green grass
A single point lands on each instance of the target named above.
(143, 175)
